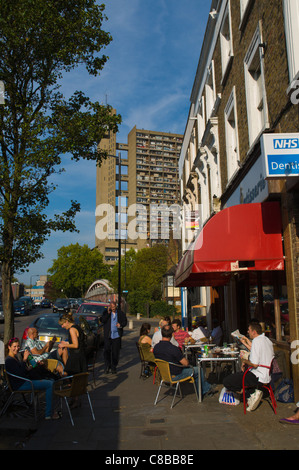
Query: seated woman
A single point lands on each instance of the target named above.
(145, 344)
(19, 368)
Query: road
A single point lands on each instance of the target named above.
(22, 322)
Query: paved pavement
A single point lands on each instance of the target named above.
(127, 420)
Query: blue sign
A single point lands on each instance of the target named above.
(280, 155)
(283, 165)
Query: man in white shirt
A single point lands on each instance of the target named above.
(261, 354)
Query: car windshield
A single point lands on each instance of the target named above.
(61, 302)
(91, 320)
(19, 303)
(92, 308)
(49, 323)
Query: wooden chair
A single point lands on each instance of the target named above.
(267, 387)
(33, 393)
(73, 386)
(167, 379)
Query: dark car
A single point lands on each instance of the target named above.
(61, 305)
(20, 307)
(28, 300)
(94, 325)
(45, 303)
(48, 326)
(97, 308)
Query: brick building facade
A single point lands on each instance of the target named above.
(244, 88)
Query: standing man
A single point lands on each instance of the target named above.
(114, 322)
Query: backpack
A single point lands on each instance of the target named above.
(285, 391)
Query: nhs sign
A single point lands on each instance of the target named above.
(280, 155)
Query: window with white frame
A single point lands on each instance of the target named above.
(291, 19)
(231, 135)
(226, 42)
(210, 91)
(257, 110)
(201, 121)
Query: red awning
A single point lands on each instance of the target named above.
(240, 238)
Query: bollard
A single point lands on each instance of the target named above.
(130, 324)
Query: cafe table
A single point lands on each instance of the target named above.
(193, 347)
(212, 358)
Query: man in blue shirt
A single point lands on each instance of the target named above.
(114, 322)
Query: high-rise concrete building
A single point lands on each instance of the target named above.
(149, 176)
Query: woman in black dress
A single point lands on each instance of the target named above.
(75, 362)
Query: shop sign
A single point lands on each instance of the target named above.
(280, 155)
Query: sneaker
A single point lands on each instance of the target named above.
(254, 400)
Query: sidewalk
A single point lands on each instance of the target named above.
(127, 420)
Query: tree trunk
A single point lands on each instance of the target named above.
(7, 302)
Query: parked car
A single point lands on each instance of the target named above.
(94, 323)
(46, 303)
(28, 300)
(61, 305)
(93, 307)
(21, 308)
(47, 326)
(1, 313)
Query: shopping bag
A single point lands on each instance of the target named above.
(227, 398)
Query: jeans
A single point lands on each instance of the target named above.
(187, 371)
(47, 386)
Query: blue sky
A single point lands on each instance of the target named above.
(148, 79)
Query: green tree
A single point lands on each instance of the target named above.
(41, 40)
(144, 272)
(76, 268)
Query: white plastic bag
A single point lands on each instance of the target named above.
(227, 398)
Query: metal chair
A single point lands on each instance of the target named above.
(73, 386)
(13, 393)
(166, 378)
(267, 387)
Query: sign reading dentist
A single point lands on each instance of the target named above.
(280, 155)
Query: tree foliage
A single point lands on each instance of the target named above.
(41, 40)
(76, 268)
(143, 272)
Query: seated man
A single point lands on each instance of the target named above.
(261, 354)
(200, 333)
(42, 352)
(166, 351)
(182, 337)
(157, 336)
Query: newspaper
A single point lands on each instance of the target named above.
(237, 334)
